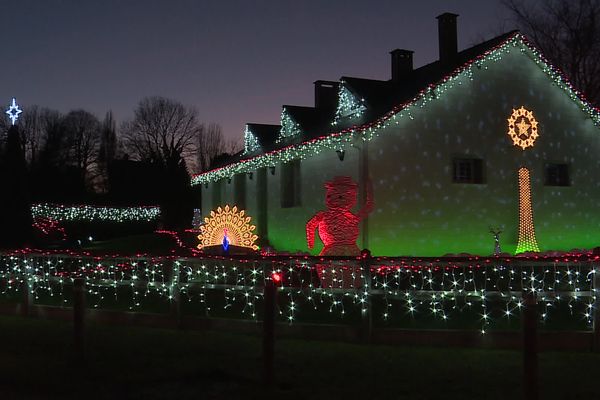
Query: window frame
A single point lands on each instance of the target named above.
(290, 184)
(563, 175)
(476, 168)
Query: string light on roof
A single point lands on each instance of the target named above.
(370, 130)
(13, 111)
(289, 127)
(349, 106)
(250, 142)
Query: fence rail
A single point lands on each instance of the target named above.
(376, 289)
(439, 288)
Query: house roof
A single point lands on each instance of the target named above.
(313, 121)
(381, 96)
(265, 134)
(383, 100)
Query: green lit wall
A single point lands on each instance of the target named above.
(420, 211)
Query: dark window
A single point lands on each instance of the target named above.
(467, 170)
(239, 191)
(557, 175)
(290, 184)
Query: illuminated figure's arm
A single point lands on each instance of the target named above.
(369, 203)
(311, 225)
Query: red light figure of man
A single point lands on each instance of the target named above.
(338, 226)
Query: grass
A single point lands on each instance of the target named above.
(150, 243)
(163, 364)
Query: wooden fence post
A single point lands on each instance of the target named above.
(530, 346)
(270, 291)
(27, 293)
(596, 313)
(174, 294)
(367, 309)
(79, 318)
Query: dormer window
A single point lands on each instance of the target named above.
(250, 142)
(289, 127)
(349, 106)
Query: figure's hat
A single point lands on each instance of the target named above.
(341, 182)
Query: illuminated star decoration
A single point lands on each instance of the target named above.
(13, 111)
(526, 125)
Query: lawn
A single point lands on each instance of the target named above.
(165, 364)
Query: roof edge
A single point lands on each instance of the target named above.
(368, 130)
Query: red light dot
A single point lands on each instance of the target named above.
(276, 276)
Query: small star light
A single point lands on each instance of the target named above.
(13, 111)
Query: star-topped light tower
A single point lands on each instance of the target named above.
(13, 111)
(523, 130)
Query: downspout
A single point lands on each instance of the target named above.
(363, 176)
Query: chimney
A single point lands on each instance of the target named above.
(326, 93)
(447, 37)
(402, 63)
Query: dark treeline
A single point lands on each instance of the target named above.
(77, 158)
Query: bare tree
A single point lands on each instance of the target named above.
(107, 151)
(82, 131)
(212, 143)
(568, 34)
(234, 146)
(31, 128)
(108, 139)
(34, 125)
(53, 145)
(162, 130)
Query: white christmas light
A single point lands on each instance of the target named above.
(348, 105)
(250, 142)
(13, 111)
(59, 212)
(289, 127)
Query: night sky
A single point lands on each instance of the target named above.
(236, 62)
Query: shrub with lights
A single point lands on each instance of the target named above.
(64, 222)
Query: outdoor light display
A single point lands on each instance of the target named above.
(348, 105)
(227, 226)
(486, 290)
(366, 132)
(289, 127)
(338, 226)
(60, 213)
(250, 141)
(13, 111)
(527, 241)
(522, 128)
(49, 226)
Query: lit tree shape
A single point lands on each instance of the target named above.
(227, 225)
(527, 240)
(338, 226)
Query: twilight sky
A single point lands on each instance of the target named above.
(235, 61)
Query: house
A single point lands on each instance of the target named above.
(485, 140)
